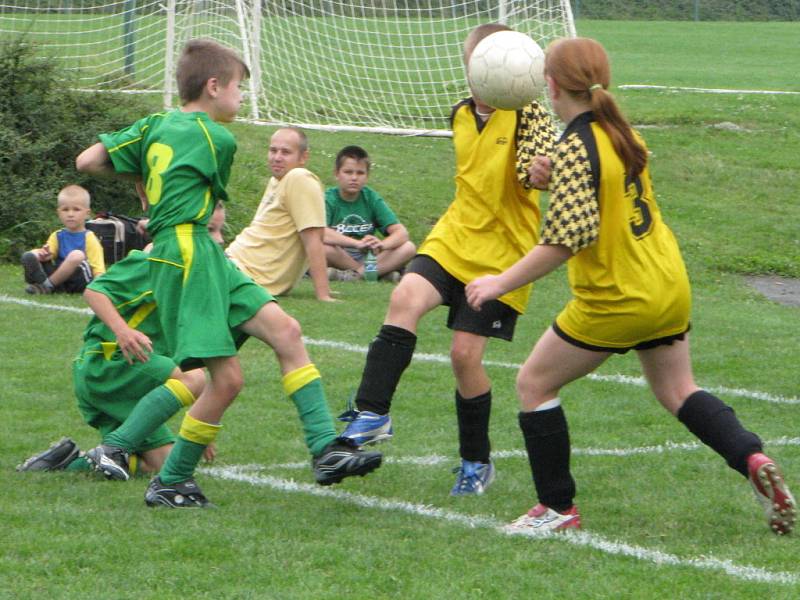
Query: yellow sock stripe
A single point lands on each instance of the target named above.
(182, 393)
(197, 431)
(133, 464)
(299, 377)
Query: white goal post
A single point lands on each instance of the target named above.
(385, 65)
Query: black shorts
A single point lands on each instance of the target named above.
(494, 320)
(646, 345)
(77, 282)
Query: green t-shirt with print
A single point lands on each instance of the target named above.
(362, 216)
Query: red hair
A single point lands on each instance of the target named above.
(580, 67)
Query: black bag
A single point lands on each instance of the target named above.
(117, 234)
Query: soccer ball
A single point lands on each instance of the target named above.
(506, 70)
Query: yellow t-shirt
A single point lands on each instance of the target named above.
(493, 220)
(627, 276)
(270, 249)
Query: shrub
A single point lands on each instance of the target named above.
(44, 124)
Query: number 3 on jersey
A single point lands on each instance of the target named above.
(159, 156)
(642, 220)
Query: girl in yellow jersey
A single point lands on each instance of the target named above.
(630, 291)
(493, 220)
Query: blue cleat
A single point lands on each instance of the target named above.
(366, 427)
(473, 478)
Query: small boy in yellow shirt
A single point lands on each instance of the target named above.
(72, 256)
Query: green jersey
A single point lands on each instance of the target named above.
(184, 160)
(358, 217)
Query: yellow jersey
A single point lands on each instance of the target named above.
(628, 279)
(494, 219)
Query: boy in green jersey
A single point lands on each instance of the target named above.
(125, 386)
(355, 215)
(183, 158)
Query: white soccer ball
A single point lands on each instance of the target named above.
(506, 70)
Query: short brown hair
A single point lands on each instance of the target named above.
(203, 59)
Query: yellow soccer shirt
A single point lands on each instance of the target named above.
(270, 249)
(627, 276)
(494, 219)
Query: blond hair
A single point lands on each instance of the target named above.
(75, 193)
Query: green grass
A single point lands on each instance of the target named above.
(730, 196)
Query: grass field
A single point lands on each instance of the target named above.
(663, 517)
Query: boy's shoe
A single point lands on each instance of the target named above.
(111, 461)
(542, 519)
(342, 274)
(366, 427)
(772, 492)
(38, 288)
(392, 277)
(185, 494)
(473, 478)
(55, 458)
(342, 459)
(34, 273)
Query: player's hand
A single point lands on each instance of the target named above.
(44, 254)
(482, 290)
(141, 226)
(134, 345)
(539, 172)
(210, 453)
(372, 243)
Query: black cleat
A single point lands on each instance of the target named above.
(342, 459)
(55, 458)
(111, 461)
(185, 494)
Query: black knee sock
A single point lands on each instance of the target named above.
(388, 356)
(547, 441)
(716, 425)
(473, 426)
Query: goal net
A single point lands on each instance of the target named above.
(382, 64)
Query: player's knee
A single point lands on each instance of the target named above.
(76, 256)
(194, 380)
(405, 300)
(465, 358)
(408, 250)
(532, 390)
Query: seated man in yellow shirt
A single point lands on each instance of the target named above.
(284, 239)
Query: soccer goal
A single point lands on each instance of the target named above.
(385, 65)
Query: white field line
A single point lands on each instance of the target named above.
(581, 538)
(441, 358)
(438, 459)
(703, 90)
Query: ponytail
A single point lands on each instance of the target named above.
(619, 131)
(580, 67)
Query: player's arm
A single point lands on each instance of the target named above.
(95, 160)
(333, 238)
(535, 139)
(396, 236)
(534, 265)
(133, 344)
(312, 238)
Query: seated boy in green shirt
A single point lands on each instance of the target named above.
(355, 213)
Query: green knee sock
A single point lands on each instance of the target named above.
(304, 387)
(154, 409)
(79, 464)
(193, 438)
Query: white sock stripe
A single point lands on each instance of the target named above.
(440, 358)
(578, 538)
